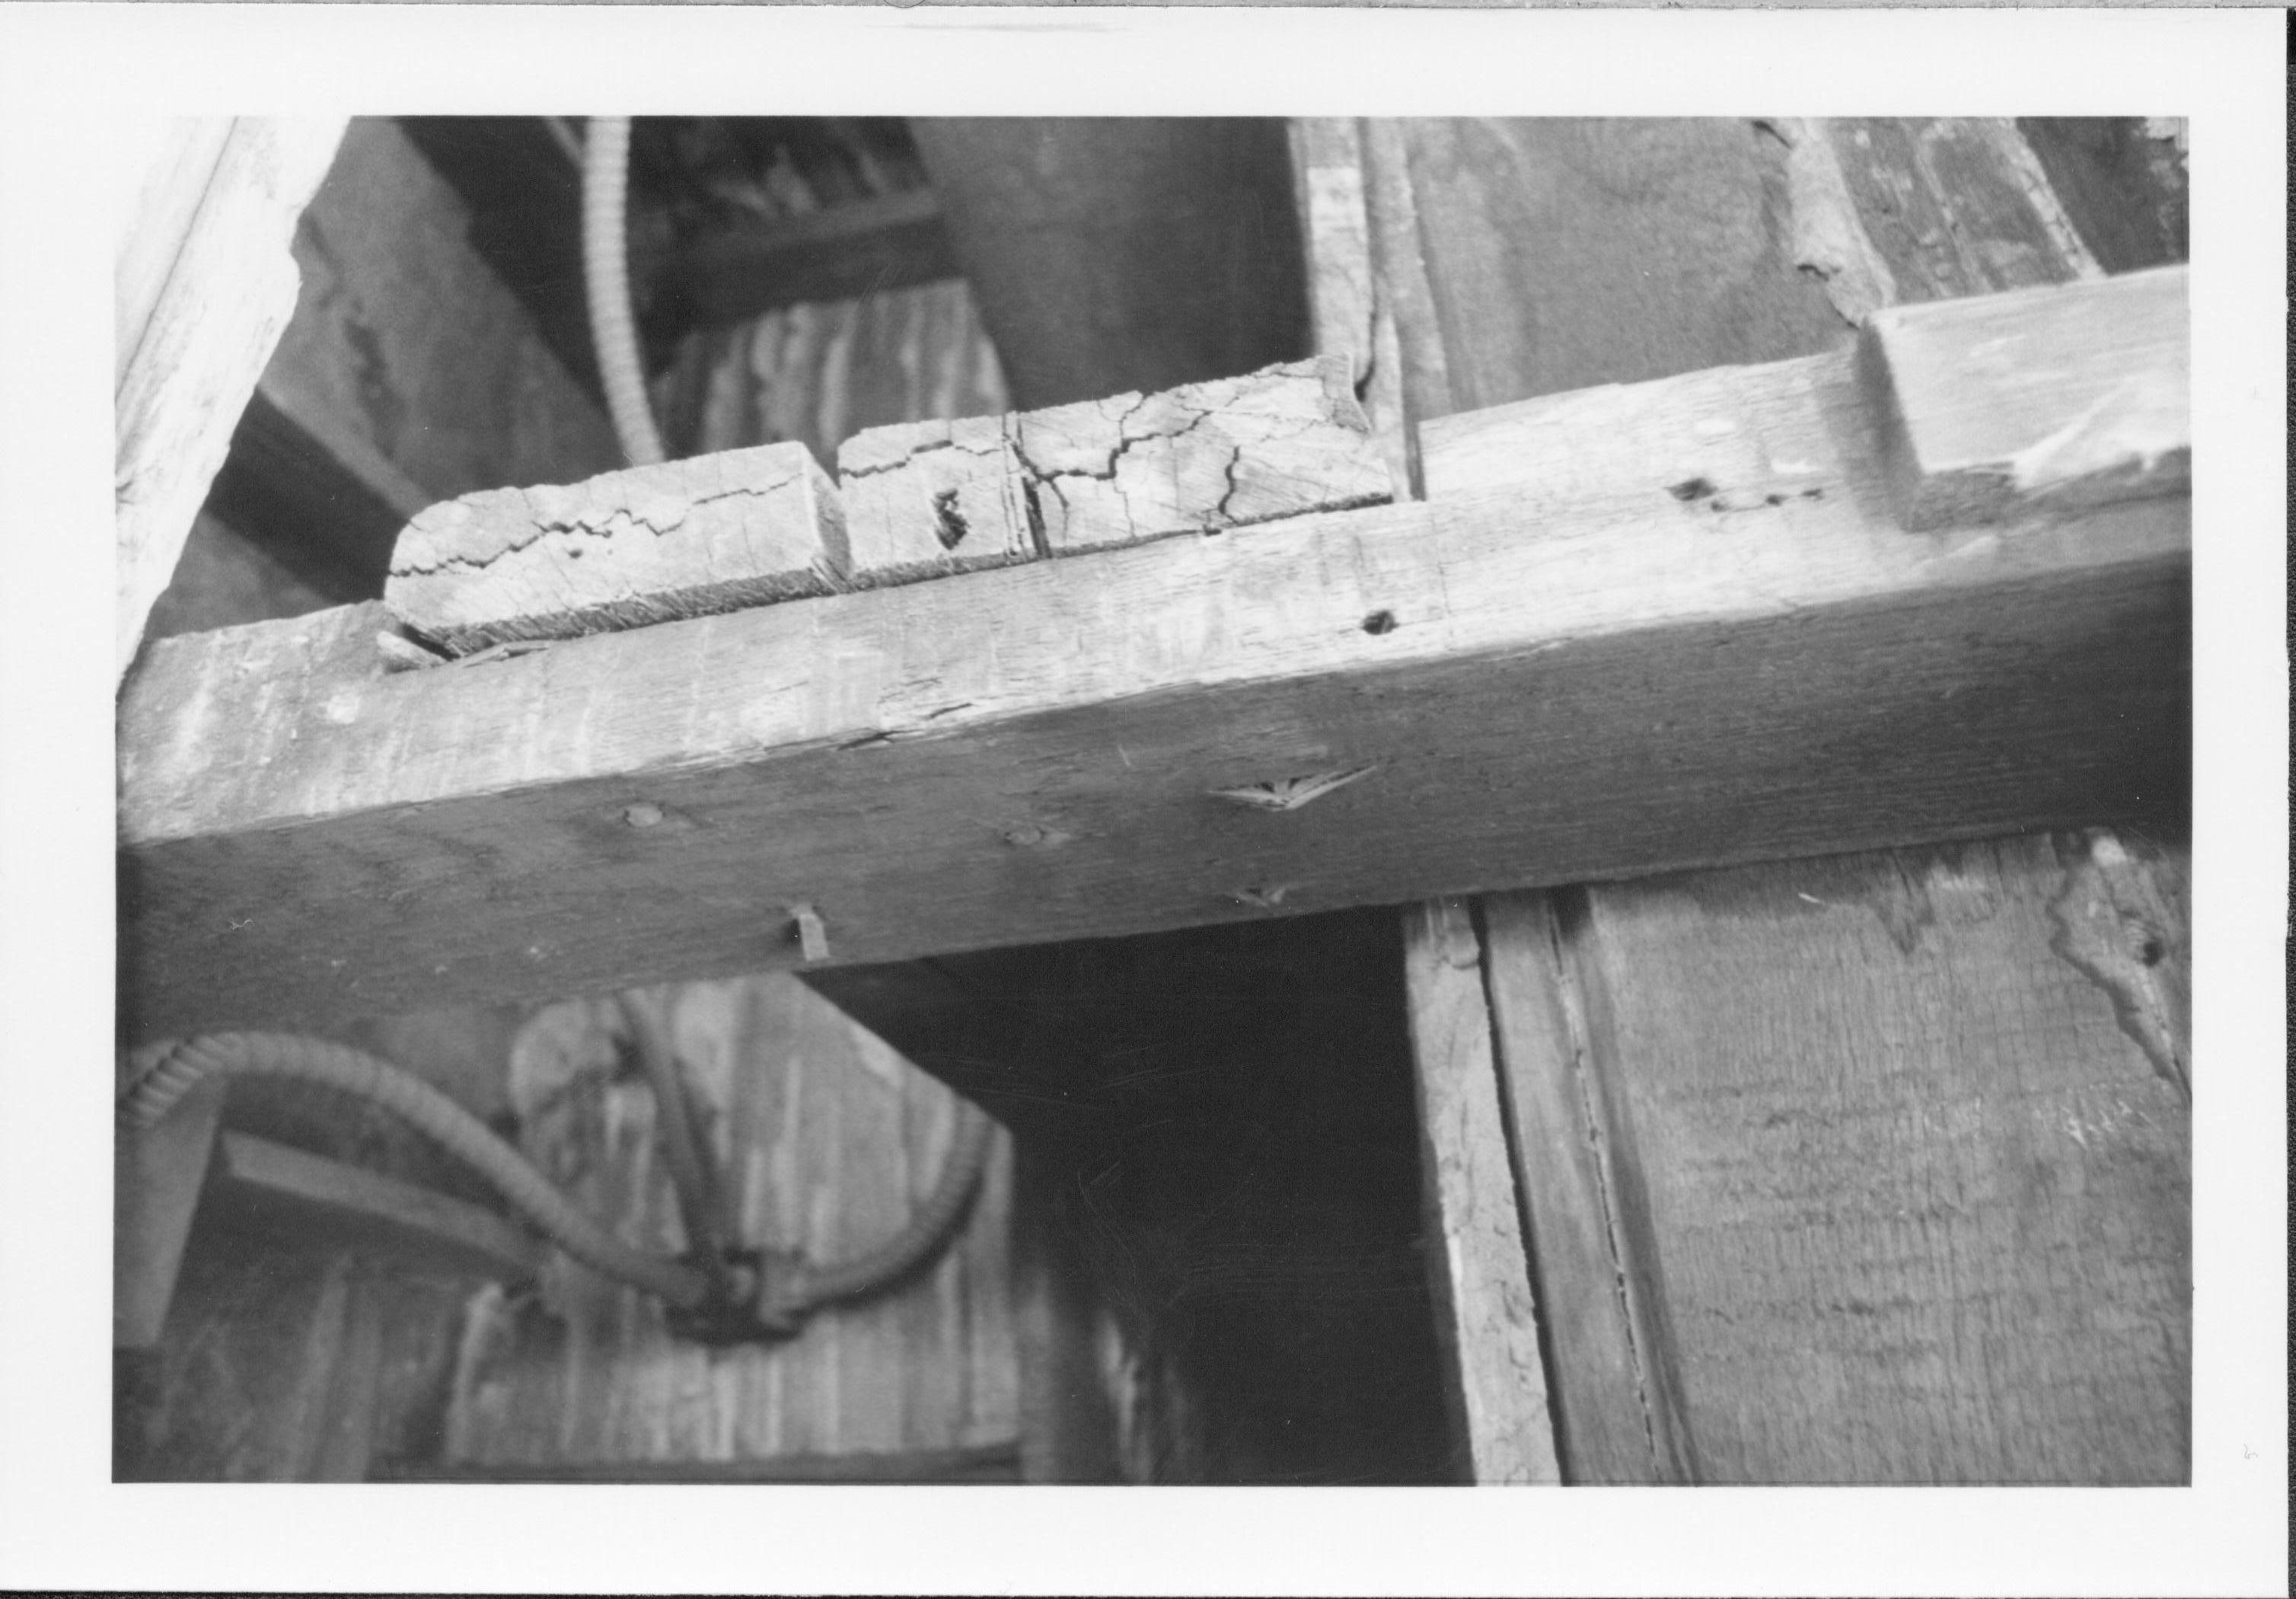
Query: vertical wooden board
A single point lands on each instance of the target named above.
(405, 333)
(166, 167)
(1567, 252)
(1486, 1312)
(1612, 1419)
(228, 295)
(992, 1383)
(1921, 1198)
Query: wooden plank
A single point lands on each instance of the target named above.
(893, 240)
(926, 499)
(2121, 181)
(1485, 1316)
(978, 1463)
(228, 296)
(271, 1183)
(1915, 1179)
(648, 545)
(1862, 1402)
(165, 169)
(157, 1175)
(1616, 1411)
(2039, 399)
(1316, 716)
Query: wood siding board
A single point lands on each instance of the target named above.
(1485, 1314)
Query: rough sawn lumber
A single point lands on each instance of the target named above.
(932, 497)
(625, 549)
(1354, 708)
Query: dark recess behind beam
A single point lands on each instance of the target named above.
(1109, 253)
(525, 198)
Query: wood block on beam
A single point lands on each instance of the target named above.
(1366, 707)
(930, 497)
(1274, 443)
(652, 544)
(2062, 396)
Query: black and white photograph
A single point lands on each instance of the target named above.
(970, 766)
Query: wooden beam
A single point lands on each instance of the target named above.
(1485, 1316)
(157, 1175)
(861, 247)
(257, 1180)
(2016, 402)
(981, 1462)
(1597, 679)
(203, 341)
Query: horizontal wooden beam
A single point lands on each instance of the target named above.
(838, 252)
(1608, 671)
(255, 1180)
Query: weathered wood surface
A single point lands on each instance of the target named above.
(157, 1177)
(2123, 183)
(1914, 1174)
(827, 1139)
(928, 498)
(1617, 1414)
(228, 295)
(2045, 398)
(647, 545)
(165, 167)
(278, 1186)
(1487, 1317)
(1318, 715)
(1928, 1380)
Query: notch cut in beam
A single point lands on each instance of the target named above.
(1556, 682)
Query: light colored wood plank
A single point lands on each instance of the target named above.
(311, 1194)
(157, 1176)
(1916, 1186)
(1316, 716)
(229, 294)
(925, 499)
(648, 545)
(1486, 1317)
(2035, 399)
(1227, 453)
(166, 165)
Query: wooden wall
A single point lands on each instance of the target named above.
(1874, 1169)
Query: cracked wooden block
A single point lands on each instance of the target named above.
(1279, 442)
(923, 499)
(651, 544)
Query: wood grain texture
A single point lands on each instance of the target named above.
(927, 499)
(2043, 398)
(1919, 1196)
(1616, 1409)
(164, 167)
(1276, 443)
(275, 1184)
(1564, 253)
(1487, 1317)
(2123, 182)
(1858, 1406)
(988, 760)
(650, 544)
(227, 298)
(406, 342)
(826, 1138)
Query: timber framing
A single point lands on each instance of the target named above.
(1642, 664)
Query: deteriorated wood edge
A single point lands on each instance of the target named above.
(664, 543)
(2096, 409)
